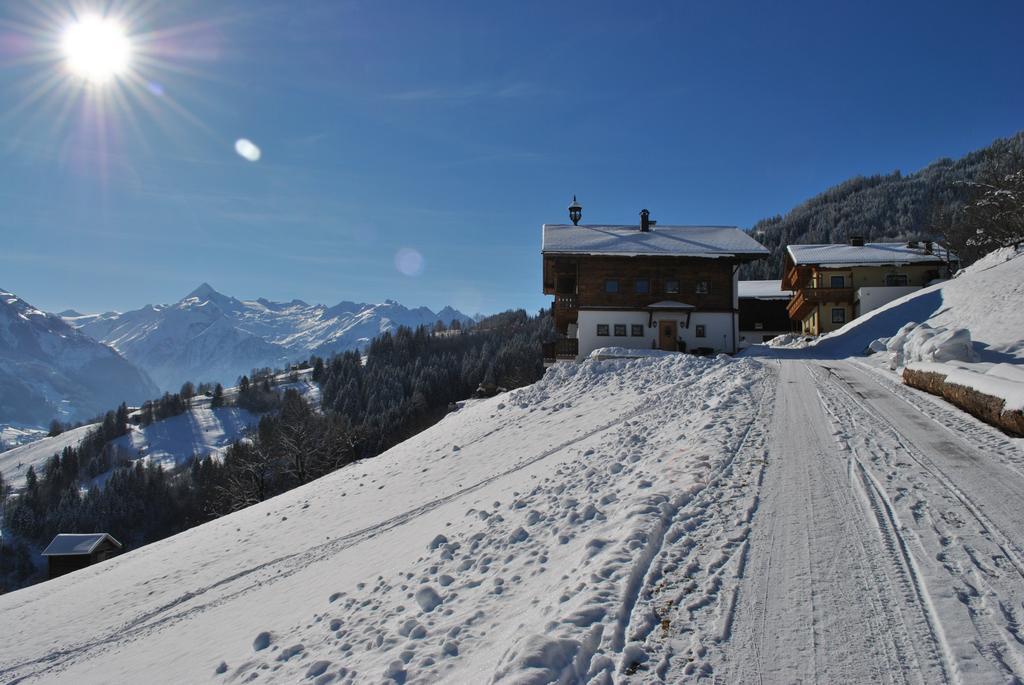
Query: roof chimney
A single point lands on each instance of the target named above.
(857, 241)
(645, 221)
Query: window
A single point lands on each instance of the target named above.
(701, 331)
(642, 285)
(896, 279)
(837, 281)
(611, 286)
(672, 286)
(637, 330)
(620, 330)
(602, 329)
(838, 315)
(703, 287)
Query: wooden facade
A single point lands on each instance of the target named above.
(827, 296)
(581, 282)
(63, 557)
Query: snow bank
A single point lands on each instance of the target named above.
(993, 382)
(627, 352)
(921, 343)
(795, 341)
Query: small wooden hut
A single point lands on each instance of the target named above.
(71, 551)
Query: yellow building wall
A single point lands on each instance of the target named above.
(874, 276)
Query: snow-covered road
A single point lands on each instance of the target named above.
(886, 546)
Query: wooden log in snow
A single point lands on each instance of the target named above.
(988, 408)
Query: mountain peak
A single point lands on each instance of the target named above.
(204, 292)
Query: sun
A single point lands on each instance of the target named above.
(97, 49)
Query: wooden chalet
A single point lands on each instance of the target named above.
(71, 551)
(834, 284)
(644, 286)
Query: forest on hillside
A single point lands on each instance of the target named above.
(891, 207)
(407, 381)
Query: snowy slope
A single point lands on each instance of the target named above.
(511, 540)
(201, 431)
(208, 336)
(49, 370)
(15, 462)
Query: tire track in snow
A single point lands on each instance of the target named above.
(977, 584)
(1012, 551)
(812, 536)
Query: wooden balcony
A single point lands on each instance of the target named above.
(561, 349)
(565, 302)
(805, 300)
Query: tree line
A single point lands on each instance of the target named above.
(934, 202)
(403, 382)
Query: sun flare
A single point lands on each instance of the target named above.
(96, 49)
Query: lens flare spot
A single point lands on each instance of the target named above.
(409, 261)
(247, 149)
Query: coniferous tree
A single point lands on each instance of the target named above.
(218, 396)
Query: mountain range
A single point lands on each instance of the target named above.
(50, 370)
(209, 336)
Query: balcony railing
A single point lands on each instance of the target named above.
(565, 302)
(563, 348)
(807, 298)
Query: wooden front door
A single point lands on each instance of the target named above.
(667, 335)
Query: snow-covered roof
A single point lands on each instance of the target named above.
(68, 544)
(674, 241)
(670, 304)
(869, 254)
(763, 290)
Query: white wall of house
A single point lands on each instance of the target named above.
(872, 297)
(589, 319)
(720, 332)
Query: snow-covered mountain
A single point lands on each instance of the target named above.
(209, 336)
(49, 370)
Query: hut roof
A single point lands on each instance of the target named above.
(71, 544)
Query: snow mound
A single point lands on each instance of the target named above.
(921, 343)
(627, 353)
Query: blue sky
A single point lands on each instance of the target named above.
(455, 129)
